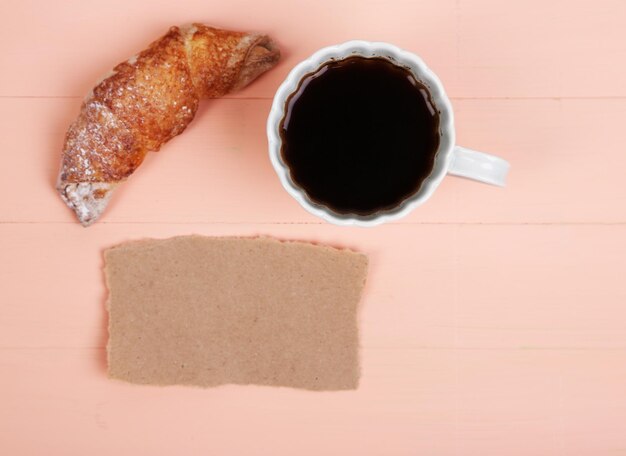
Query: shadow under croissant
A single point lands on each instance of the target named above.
(69, 108)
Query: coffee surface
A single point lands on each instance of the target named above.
(360, 135)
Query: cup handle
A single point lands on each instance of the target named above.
(478, 166)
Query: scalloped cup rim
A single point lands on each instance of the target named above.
(365, 49)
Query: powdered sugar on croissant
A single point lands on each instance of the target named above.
(146, 101)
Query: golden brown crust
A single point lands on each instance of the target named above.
(153, 96)
(210, 51)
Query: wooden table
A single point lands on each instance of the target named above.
(494, 320)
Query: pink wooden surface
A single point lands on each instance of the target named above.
(494, 321)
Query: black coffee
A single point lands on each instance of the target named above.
(360, 135)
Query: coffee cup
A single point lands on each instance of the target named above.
(448, 158)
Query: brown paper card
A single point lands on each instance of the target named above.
(206, 311)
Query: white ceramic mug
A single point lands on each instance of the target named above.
(449, 158)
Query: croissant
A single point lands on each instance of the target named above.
(146, 101)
